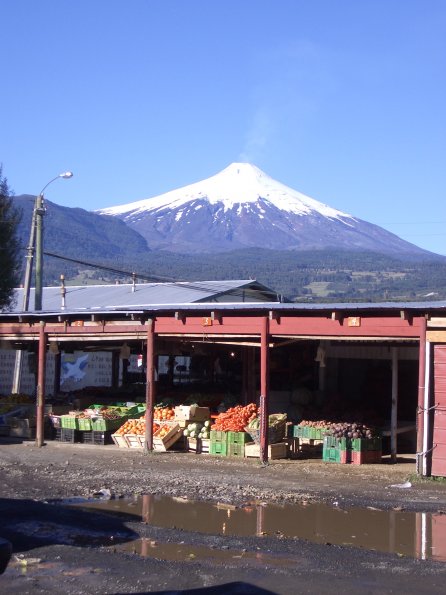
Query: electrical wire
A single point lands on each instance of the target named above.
(195, 286)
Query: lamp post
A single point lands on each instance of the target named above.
(35, 244)
(39, 211)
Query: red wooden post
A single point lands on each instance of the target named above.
(150, 387)
(421, 388)
(264, 376)
(41, 385)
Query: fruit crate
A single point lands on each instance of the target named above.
(365, 457)
(69, 435)
(120, 440)
(99, 438)
(275, 451)
(366, 444)
(219, 436)
(69, 422)
(235, 449)
(356, 444)
(334, 454)
(165, 442)
(299, 431)
(134, 440)
(101, 424)
(218, 448)
(84, 424)
(238, 437)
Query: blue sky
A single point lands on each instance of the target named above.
(343, 100)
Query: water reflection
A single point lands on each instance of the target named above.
(419, 535)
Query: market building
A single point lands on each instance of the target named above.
(381, 362)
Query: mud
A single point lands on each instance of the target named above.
(87, 551)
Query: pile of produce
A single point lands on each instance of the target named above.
(105, 413)
(350, 430)
(163, 413)
(236, 418)
(273, 420)
(163, 430)
(319, 425)
(135, 426)
(198, 430)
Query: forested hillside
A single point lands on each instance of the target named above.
(316, 275)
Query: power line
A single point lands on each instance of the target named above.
(111, 269)
(195, 286)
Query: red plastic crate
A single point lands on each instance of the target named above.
(365, 457)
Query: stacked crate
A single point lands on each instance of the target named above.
(230, 444)
(219, 443)
(356, 451)
(236, 443)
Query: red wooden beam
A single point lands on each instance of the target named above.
(150, 386)
(41, 385)
(264, 378)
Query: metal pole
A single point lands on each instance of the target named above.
(40, 211)
(264, 361)
(41, 385)
(29, 265)
(16, 379)
(150, 388)
(394, 413)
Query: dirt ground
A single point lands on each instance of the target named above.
(30, 477)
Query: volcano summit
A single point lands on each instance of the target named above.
(243, 207)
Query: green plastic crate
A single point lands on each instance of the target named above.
(238, 437)
(219, 436)
(84, 424)
(102, 425)
(235, 449)
(218, 448)
(366, 444)
(334, 454)
(298, 431)
(69, 422)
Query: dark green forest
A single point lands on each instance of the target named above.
(317, 275)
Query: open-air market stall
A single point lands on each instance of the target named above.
(367, 364)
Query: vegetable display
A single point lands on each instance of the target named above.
(198, 430)
(135, 426)
(235, 419)
(163, 413)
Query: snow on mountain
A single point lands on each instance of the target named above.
(237, 185)
(242, 207)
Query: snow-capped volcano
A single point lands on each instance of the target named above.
(242, 207)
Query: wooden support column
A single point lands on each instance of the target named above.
(150, 386)
(41, 385)
(264, 378)
(421, 388)
(394, 413)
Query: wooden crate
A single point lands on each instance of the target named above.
(134, 440)
(168, 440)
(191, 413)
(120, 441)
(198, 445)
(275, 451)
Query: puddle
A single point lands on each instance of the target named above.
(418, 535)
(179, 552)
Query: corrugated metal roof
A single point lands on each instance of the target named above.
(144, 295)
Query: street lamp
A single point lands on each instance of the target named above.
(39, 211)
(35, 244)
